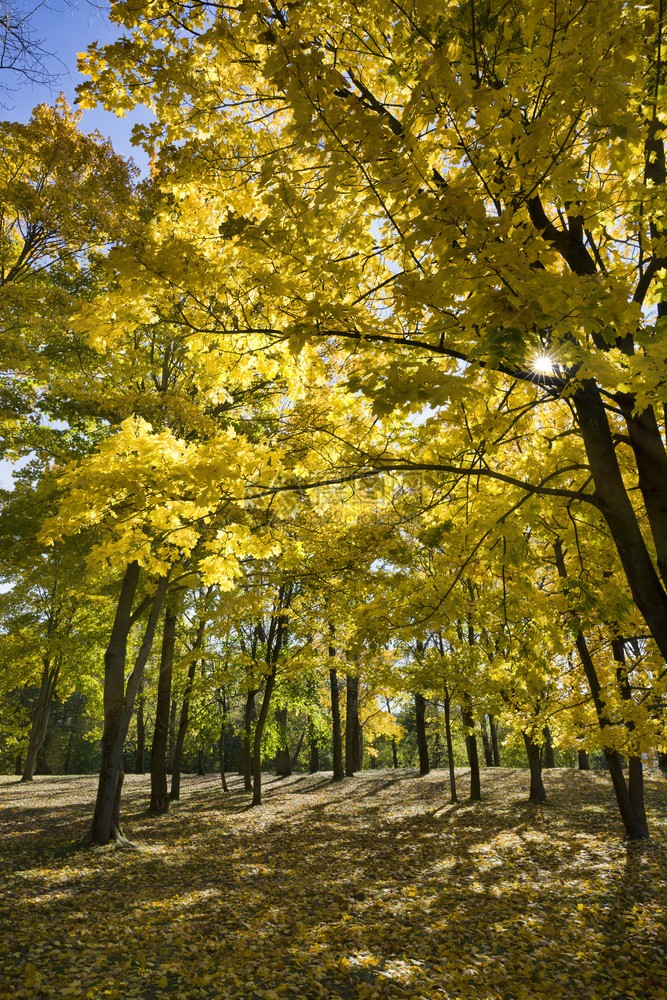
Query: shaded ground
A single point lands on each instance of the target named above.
(375, 887)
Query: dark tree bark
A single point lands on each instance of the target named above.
(283, 758)
(159, 791)
(614, 504)
(297, 749)
(584, 764)
(337, 736)
(450, 747)
(18, 764)
(201, 771)
(221, 759)
(172, 736)
(549, 760)
(471, 748)
(314, 758)
(634, 819)
(353, 736)
(422, 745)
(40, 718)
(249, 716)
(119, 701)
(394, 752)
(662, 762)
(275, 642)
(534, 753)
(184, 721)
(635, 765)
(257, 742)
(140, 762)
(486, 744)
(221, 743)
(493, 725)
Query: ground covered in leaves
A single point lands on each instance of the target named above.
(375, 887)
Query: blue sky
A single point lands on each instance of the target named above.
(64, 29)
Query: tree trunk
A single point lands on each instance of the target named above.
(614, 504)
(636, 827)
(183, 723)
(18, 763)
(662, 762)
(394, 752)
(276, 639)
(140, 761)
(549, 760)
(40, 718)
(314, 759)
(221, 758)
(200, 762)
(337, 736)
(352, 728)
(297, 751)
(471, 748)
(422, 745)
(486, 744)
(119, 702)
(584, 764)
(636, 791)
(172, 736)
(534, 753)
(249, 717)
(493, 725)
(257, 742)
(450, 749)
(221, 744)
(159, 791)
(283, 758)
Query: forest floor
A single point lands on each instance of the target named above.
(375, 887)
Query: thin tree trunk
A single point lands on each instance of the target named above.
(183, 723)
(40, 718)
(200, 762)
(352, 727)
(450, 748)
(140, 761)
(534, 753)
(283, 759)
(249, 717)
(221, 758)
(276, 639)
(493, 726)
(422, 745)
(172, 736)
(486, 744)
(18, 763)
(337, 736)
(662, 762)
(257, 743)
(314, 760)
(549, 760)
(119, 702)
(394, 752)
(471, 748)
(635, 824)
(159, 791)
(584, 764)
(297, 751)
(221, 744)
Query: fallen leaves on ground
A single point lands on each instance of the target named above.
(375, 887)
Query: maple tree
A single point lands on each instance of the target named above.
(447, 191)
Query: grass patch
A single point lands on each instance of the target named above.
(375, 887)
